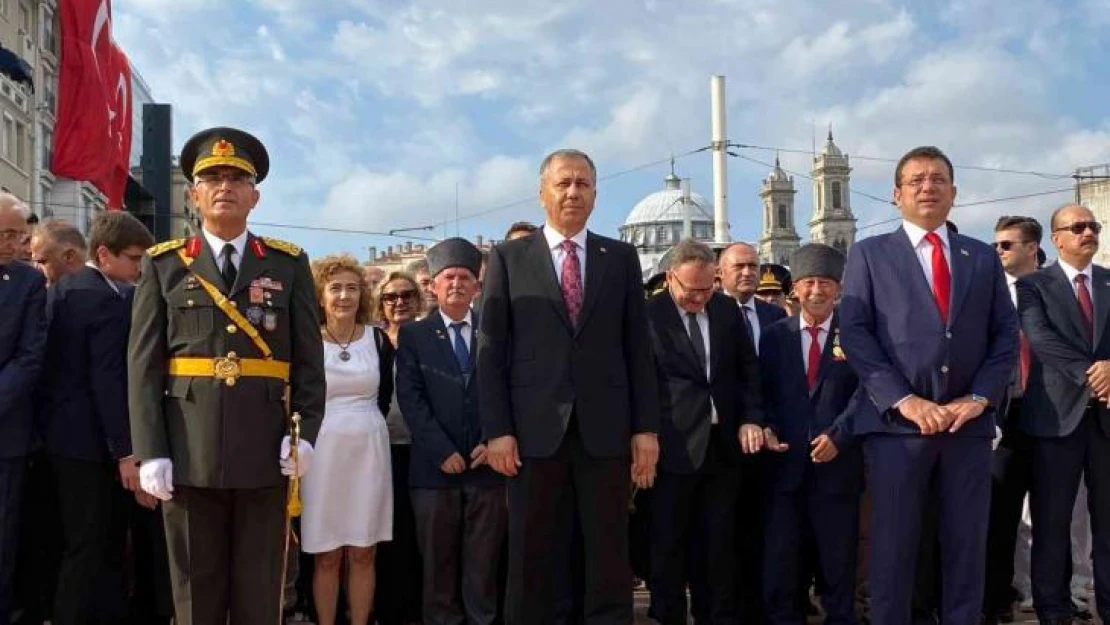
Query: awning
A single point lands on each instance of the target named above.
(13, 66)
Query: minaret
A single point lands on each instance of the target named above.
(833, 222)
(779, 239)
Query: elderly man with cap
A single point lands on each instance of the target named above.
(225, 345)
(815, 475)
(459, 502)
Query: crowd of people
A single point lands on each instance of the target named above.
(216, 430)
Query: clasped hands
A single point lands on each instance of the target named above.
(1098, 380)
(934, 418)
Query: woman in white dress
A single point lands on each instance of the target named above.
(348, 495)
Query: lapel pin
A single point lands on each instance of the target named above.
(601, 249)
(7, 277)
(964, 252)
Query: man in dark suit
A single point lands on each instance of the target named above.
(1018, 242)
(22, 348)
(458, 501)
(224, 345)
(709, 413)
(927, 323)
(568, 389)
(739, 269)
(84, 413)
(815, 474)
(1064, 313)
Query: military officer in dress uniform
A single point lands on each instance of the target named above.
(225, 345)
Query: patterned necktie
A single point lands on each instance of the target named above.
(462, 354)
(814, 359)
(1086, 306)
(942, 278)
(697, 339)
(229, 272)
(571, 280)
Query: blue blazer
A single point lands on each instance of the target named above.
(22, 348)
(799, 415)
(82, 406)
(439, 403)
(767, 313)
(895, 340)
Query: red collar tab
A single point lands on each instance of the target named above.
(192, 248)
(258, 249)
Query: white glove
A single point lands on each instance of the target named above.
(304, 457)
(156, 477)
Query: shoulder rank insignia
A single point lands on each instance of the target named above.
(282, 246)
(165, 246)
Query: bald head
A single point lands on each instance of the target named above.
(739, 270)
(13, 228)
(57, 248)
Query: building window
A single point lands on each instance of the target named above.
(836, 201)
(783, 222)
(50, 92)
(21, 145)
(48, 41)
(662, 234)
(8, 147)
(24, 22)
(47, 148)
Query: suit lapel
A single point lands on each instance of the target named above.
(826, 356)
(794, 357)
(205, 266)
(250, 268)
(963, 266)
(1101, 290)
(717, 338)
(596, 263)
(12, 284)
(1062, 291)
(676, 327)
(445, 339)
(539, 256)
(901, 247)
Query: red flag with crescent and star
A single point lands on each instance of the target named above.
(92, 136)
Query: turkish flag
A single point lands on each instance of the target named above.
(92, 135)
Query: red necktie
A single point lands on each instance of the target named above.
(942, 278)
(571, 280)
(1085, 305)
(1026, 358)
(814, 356)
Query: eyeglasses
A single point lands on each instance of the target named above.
(1078, 227)
(705, 291)
(396, 296)
(918, 181)
(1006, 245)
(215, 180)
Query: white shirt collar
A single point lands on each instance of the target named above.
(1071, 272)
(682, 312)
(1011, 279)
(216, 244)
(555, 239)
(825, 325)
(917, 233)
(111, 282)
(447, 321)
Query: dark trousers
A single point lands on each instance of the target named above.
(703, 502)
(1011, 476)
(460, 532)
(598, 490)
(397, 598)
(832, 520)
(151, 600)
(225, 551)
(40, 542)
(750, 526)
(86, 493)
(12, 471)
(900, 468)
(1058, 465)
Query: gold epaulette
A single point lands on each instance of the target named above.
(282, 246)
(165, 246)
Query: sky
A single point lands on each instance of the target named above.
(432, 116)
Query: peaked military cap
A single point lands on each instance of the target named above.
(816, 260)
(454, 252)
(774, 277)
(227, 147)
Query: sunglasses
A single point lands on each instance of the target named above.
(393, 298)
(1005, 246)
(1078, 227)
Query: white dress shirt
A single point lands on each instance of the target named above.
(1072, 272)
(807, 338)
(703, 325)
(924, 249)
(748, 310)
(216, 244)
(555, 243)
(1011, 283)
(111, 283)
(466, 331)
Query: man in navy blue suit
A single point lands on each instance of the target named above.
(1064, 313)
(22, 345)
(84, 414)
(459, 502)
(928, 325)
(815, 476)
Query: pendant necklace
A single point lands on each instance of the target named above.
(344, 355)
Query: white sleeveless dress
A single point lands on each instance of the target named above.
(348, 490)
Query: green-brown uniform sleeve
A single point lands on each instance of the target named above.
(146, 366)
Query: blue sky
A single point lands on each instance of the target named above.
(374, 112)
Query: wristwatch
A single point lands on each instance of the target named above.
(980, 399)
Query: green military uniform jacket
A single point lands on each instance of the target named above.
(220, 435)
